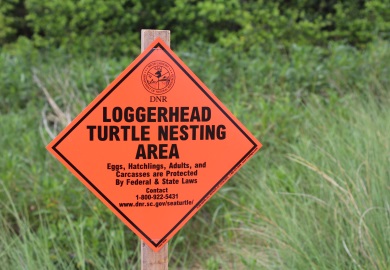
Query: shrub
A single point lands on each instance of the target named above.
(112, 27)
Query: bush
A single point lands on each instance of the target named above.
(112, 27)
(12, 21)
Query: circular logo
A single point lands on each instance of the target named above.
(158, 77)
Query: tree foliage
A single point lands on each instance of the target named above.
(113, 26)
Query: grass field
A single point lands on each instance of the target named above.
(316, 196)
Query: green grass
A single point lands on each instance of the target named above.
(325, 204)
(316, 196)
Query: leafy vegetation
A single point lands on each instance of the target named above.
(112, 27)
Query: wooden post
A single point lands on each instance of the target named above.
(148, 36)
(151, 260)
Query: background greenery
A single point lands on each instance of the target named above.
(310, 79)
(112, 27)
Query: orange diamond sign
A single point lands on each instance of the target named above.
(155, 145)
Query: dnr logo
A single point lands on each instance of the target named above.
(158, 77)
